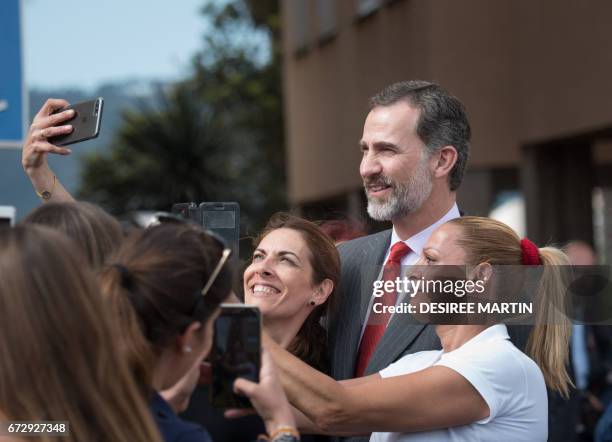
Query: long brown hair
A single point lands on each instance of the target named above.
(58, 359)
(310, 344)
(96, 232)
(153, 284)
(488, 240)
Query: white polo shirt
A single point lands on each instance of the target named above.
(510, 382)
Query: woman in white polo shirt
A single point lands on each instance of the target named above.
(478, 387)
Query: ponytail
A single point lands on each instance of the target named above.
(489, 240)
(154, 289)
(548, 343)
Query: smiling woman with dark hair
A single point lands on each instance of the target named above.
(292, 278)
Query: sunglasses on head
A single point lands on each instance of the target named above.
(170, 218)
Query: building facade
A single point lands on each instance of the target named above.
(534, 76)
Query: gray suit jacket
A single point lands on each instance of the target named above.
(362, 259)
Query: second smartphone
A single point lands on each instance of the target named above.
(236, 353)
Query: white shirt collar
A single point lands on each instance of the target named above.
(418, 241)
(497, 332)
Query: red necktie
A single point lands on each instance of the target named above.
(377, 322)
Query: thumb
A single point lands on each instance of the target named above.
(244, 387)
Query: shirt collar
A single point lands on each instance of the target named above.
(418, 241)
(160, 406)
(497, 332)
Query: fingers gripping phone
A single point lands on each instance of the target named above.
(236, 353)
(85, 122)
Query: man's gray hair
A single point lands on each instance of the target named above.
(442, 119)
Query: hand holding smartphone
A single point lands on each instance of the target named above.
(85, 122)
(236, 353)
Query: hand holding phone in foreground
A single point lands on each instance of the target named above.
(267, 397)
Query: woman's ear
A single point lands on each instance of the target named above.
(322, 291)
(190, 339)
(482, 272)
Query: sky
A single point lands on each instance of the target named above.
(84, 43)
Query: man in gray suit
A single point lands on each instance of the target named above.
(415, 147)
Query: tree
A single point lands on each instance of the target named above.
(216, 136)
(165, 152)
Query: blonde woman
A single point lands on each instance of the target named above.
(478, 387)
(58, 356)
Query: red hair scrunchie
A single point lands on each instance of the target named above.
(531, 253)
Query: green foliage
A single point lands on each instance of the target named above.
(217, 136)
(167, 152)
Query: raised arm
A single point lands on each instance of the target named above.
(37, 147)
(436, 397)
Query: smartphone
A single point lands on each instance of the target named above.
(7, 216)
(188, 211)
(236, 352)
(224, 220)
(85, 122)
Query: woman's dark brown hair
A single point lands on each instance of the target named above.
(310, 344)
(58, 356)
(154, 283)
(96, 232)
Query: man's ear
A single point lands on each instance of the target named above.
(190, 338)
(322, 291)
(446, 159)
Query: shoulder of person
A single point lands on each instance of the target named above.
(193, 433)
(502, 374)
(499, 355)
(411, 363)
(172, 427)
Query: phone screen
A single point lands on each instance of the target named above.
(236, 353)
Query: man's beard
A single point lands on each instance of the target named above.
(405, 197)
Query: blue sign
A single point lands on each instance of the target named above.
(13, 100)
